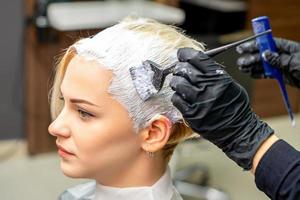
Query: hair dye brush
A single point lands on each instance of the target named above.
(149, 77)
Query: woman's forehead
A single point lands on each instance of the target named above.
(86, 77)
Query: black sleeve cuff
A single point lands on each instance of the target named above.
(275, 166)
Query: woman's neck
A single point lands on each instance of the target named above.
(144, 171)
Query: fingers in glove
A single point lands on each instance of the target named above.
(251, 64)
(186, 90)
(248, 47)
(272, 58)
(257, 72)
(196, 76)
(287, 46)
(179, 103)
(198, 59)
(248, 60)
(281, 61)
(249, 68)
(186, 54)
(188, 71)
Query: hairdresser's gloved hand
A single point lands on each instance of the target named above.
(217, 107)
(287, 59)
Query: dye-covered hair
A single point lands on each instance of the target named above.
(125, 45)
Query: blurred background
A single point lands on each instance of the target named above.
(34, 34)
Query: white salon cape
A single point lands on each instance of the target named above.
(163, 189)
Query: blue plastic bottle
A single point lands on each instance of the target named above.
(266, 42)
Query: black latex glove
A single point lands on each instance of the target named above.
(287, 59)
(217, 107)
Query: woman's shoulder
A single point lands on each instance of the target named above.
(85, 191)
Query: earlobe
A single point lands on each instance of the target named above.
(156, 134)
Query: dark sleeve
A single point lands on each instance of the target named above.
(278, 172)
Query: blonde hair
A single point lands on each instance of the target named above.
(128, 44)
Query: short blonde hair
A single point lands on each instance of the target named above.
(128, 44)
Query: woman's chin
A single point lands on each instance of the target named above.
(71, 171)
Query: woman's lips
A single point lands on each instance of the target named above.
(63, 152)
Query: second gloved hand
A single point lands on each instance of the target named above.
(287, 59)
(217, 107)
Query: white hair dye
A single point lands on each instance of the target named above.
(128, 44)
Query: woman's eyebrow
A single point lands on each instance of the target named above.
(83, 101)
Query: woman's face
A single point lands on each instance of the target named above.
(95, 135)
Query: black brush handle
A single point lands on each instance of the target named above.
(216, 51)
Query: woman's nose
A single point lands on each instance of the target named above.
(59, 127)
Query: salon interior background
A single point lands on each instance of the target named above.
(29, 44)
(208, 21)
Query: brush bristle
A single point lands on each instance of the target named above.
(142, 77)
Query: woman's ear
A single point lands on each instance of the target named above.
(156, 134)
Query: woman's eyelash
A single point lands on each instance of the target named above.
(61, 98)
(84, 114)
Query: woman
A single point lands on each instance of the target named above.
(104, 130)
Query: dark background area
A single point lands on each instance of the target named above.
(11, 69)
